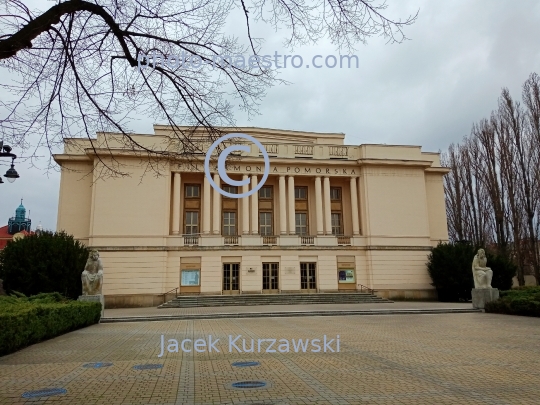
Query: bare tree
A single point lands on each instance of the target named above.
(87, 66)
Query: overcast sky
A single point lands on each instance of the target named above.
(427, 91)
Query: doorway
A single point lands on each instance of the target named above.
(231, 278)
(308, 278)
(270, 278)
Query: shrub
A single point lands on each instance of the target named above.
(43, 263)
(449, 266)
(28, 320)
(524, 301)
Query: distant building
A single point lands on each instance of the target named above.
(18, 226)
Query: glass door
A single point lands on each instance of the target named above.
(270, 278)
(231, 278)
(308, 280)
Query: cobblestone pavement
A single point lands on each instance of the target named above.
(473, 358)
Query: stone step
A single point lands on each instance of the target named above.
(289, 314)
(271, 299)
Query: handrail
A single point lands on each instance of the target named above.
(165, 294)
(370, 290)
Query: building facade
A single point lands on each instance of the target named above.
(330, 217)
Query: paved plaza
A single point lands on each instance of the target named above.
(468, 358)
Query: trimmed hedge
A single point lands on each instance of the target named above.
(523, 301)
(28, 320)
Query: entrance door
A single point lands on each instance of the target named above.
(231, 278)
(308, 280)
(270, 278)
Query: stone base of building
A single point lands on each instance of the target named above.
(481, 296)
(94, 298)
(408, 295)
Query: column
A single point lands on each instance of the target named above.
(319, 205)
(327, 210)
(254, 207)
(217, 207)
(176, 204)
(245, 207)
(292, 217)
(354, 207)
(358, 188)
(206, 207)
(282, 207)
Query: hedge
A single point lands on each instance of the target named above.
(524, 301)
(25, 321)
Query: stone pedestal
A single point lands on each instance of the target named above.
(480, 296)
(94, 298)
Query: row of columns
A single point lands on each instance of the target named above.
(286, 206)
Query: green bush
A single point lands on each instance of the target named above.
(28, 320)
(43, 263)
(450, 268)
(523, 301)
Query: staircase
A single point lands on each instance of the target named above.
(191, 301)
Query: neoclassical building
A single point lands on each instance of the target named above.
(330, 217)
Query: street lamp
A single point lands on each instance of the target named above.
(11, 174)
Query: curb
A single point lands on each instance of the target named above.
(287, 314)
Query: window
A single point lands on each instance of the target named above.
(301, 223)
(190, 277)
(265, 223)
(192, 222)
(335, 194)
(230, 189)
(229, 223)
(265, 192)
(193, 191)
(300, 193)
(336, 223)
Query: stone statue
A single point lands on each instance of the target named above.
(92, 276)
(482, 275)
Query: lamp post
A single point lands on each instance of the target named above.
(11, 174)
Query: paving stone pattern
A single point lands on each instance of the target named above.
(472, 358)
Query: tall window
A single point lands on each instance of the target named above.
(301, 223)
(229, 211)
(336, 223)
(336, 215)
(265, 223)
(229, 223)
(266, 211)
(301, 208)
(192, 205)
(192, 222)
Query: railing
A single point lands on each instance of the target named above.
(344, 240)
(270, 240)
(307, 240)
(230, 240)
(303, 150)
(363, 287)
(168, 292)
(339, 151)
(192, 240)
(271, 148)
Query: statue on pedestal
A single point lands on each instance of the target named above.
(482, 275)
(92, 276)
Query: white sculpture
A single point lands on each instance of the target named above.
(92, 276)
(482, 275)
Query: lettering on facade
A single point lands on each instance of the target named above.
(296, 169)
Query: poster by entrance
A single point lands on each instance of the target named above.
(346, 276)
(190, 277)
